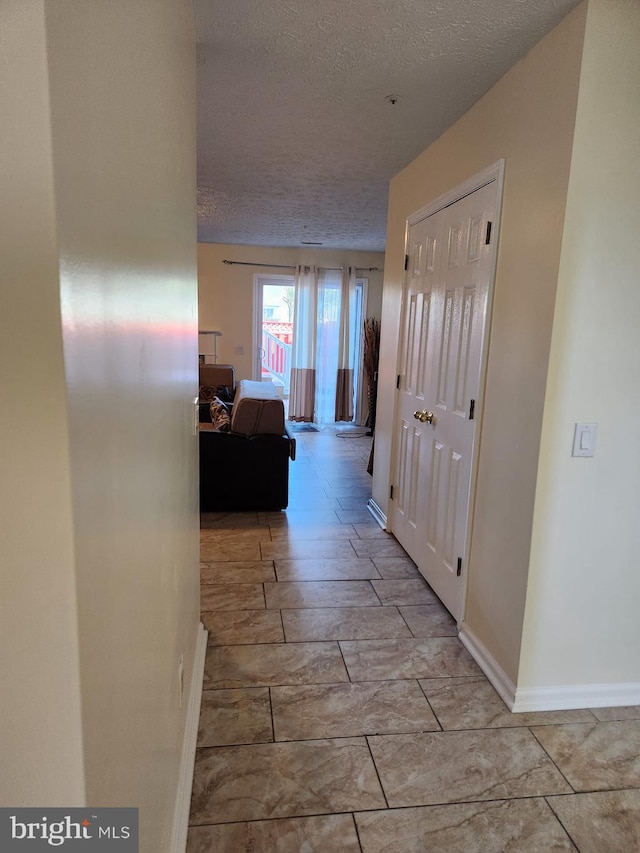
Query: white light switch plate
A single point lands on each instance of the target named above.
(584, 440)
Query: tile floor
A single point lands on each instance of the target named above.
(341, 713)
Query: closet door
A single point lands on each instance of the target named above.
(445, 312)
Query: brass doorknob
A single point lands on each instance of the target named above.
(424, 417)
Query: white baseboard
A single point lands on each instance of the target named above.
(377, 513)
(489, 665)
(574, 696)
(187, 761)
(565, 697)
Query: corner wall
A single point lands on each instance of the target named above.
(98, 338)
(226, 292)
(41, 752)
(122, 83)
(581, 625)
(528, 119)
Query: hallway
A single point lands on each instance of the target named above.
(341, 713)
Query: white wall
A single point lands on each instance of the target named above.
(226, 292)
(582, 624)
(41, 753)
(115, 491)
(528, 119)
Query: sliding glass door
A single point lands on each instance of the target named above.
(332, 328)
(273, 329)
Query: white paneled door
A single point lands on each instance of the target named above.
(448, 273)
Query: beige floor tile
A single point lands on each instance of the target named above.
(356, 492)
(407, 591)
(243, 627)
(324, 570)
(290, 518)
(264, 665)
(396, 568)
(625, 712)
(304, 486)
(230, 550)
(248, 571)
(299, 472)
(354, 516)
(307, 549)
(344, 623)
(382, 660)
(320, 834)
(447, 767)
(348, 710)
(429, 620)
(602, 822)
(307, 777)
(502, 826)
(388, 547)
(474, 705)
(312, 531)
(292, 595)
(595, 756)
(335, 481)
(235, 716)
(328, 547)
(353, 502)
(234, 535)
(232, 596)
(370, 530)
(313, 499)
(228, 520)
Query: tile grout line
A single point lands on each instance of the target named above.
(375, 767)
(273, 728)
(433, 710)
(398, 606)
(344, 662)
(543, 748)
(365, 810)
(355, 825)
(558, 818)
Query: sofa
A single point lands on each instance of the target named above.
(244, 460)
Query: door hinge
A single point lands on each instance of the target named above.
(472, 410)
(406, 262)
(398, 378)
(459, 569)
(487, 238)
(391, 492)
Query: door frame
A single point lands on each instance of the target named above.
(493, 173)
(259, 281)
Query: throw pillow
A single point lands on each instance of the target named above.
(220, 418)
(207, 393)
(211, 392)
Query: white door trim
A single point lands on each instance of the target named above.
(188, 755)
(493, 173)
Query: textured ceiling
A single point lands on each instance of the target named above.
(296, 141)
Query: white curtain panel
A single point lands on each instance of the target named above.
(328, 343)
(303, 351)
(343, 410)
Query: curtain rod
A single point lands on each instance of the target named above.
(291, 266)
